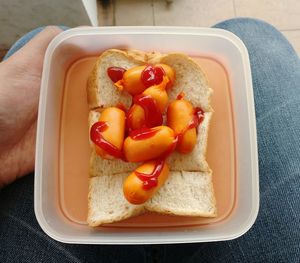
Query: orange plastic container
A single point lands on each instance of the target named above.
(63, 149)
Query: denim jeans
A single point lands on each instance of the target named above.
(275, 237)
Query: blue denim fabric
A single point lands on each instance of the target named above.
(275, 237)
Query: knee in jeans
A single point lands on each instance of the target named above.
(257, 35)
(247, 24)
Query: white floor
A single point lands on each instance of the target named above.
(284, 15)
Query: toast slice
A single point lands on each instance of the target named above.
(107, 203)
(190, 78)
(194, 161)
(185, 194)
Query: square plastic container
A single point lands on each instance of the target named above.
(61, 183)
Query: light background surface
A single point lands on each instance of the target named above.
(284, 15)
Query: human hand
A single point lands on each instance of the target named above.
(20, 79)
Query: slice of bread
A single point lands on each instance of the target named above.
(194, 161)
(184, 194)
(190, 78)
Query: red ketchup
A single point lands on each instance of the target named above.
(151, 180)
(153, 116)
(197, 118)
(142, 133)
(122, 107)
(115, 73)
(97, 138)
(152, 76)
(180, 96)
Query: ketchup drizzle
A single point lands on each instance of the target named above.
(143, 133)
(122, 107)
(197, 118)
(97, 138)
(115, 73)
(151, 180)
(180, 96)
(152, 76)
(153, 116)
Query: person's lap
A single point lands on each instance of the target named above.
(276, 234)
